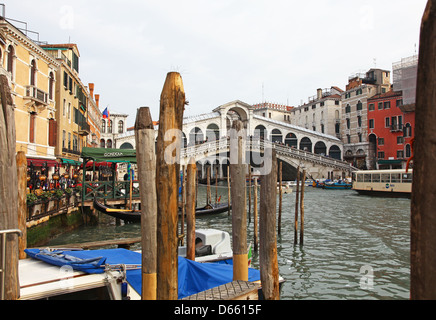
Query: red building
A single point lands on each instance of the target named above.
(390, 130)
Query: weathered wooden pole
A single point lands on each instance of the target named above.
(190, 210)
(239, 203)
(22, 201)
(280, 200)
(303, 180)
(209, 195)
(9, 282)
(182, 218)
(146, 162)
(228, 189)
(249, 193)
(297, 199)
(423, 204)
(256, 232)
(216, 184)
(172, 103)
(269, 271)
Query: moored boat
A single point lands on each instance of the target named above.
(385, 183)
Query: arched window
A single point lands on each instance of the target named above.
(347, 109)
(103, 126)
(408, 151)
(109, 143)
(120, 126)
(11, 55)
(276, 136)
(50, 86)
(33, 73)
(102, 143)
(109, 126)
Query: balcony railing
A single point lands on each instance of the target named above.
(37, 95)
(396, 127)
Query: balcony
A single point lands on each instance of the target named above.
(396, 128)
(38, 96)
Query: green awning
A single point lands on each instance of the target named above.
(73, 162)
(109, 155)
(390, 161)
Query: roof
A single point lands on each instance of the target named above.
(387, 95)
(61, 46)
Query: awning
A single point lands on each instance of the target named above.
(40, 162)
(390, 161)
(72, 162)
(109, 155)
(90, 164)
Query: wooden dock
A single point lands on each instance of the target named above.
(236, 290)
(121, 243)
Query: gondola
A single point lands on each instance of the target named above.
(135, 216)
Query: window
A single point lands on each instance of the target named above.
(359, 106)
(65, 80)
(69, 140)
(64, 134)
(33, 73)
(408, 151)
(381, 141)
(359, 121)
(269, 114)
(387, 122)
(380, 105)
(120, 126)
(109, 144)
(371, 123)
(400, 140)
(360, 137)
(103, 126)
(407, 130)
(11, 56)
(371, 107)
(64, 107)
(348, 123)
(109, 127)
(348, 138)
(32, 127)
(347, 109)
(381, 155)
(50, 86)
(400, 154)
(102, 143)
(387, 105)
(399, 102)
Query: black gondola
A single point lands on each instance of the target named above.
(135, 216)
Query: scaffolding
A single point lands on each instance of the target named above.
(405, 74)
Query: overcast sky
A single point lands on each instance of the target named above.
(279, 51)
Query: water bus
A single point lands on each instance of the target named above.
(395, 182)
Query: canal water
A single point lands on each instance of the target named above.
(355, 247)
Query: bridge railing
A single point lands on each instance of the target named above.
(257, 144)
(114, 190)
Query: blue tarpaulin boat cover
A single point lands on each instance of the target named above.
(193, 277)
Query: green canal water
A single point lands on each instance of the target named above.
(355, 247)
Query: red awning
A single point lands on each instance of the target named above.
(40, 162)
(90, 164)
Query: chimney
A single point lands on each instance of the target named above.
(91, 89)
(97, 98)
(319, 94)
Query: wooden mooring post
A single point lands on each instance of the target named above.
(297, 200)
(423, 202)
(255, 211)
(172, 102)
(239, 204)
(190, 210)
(303, 181)
(22, 202)
(269, 271)
(279, 231)
(146, 161)
(9, 282)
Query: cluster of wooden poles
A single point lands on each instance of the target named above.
(158, 175)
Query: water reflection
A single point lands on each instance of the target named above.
(343, 233)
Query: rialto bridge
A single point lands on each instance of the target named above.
(205, 138)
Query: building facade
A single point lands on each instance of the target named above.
(72, 101)
(32, 75)
(112, 128)
(354, 117)
(322, 112)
